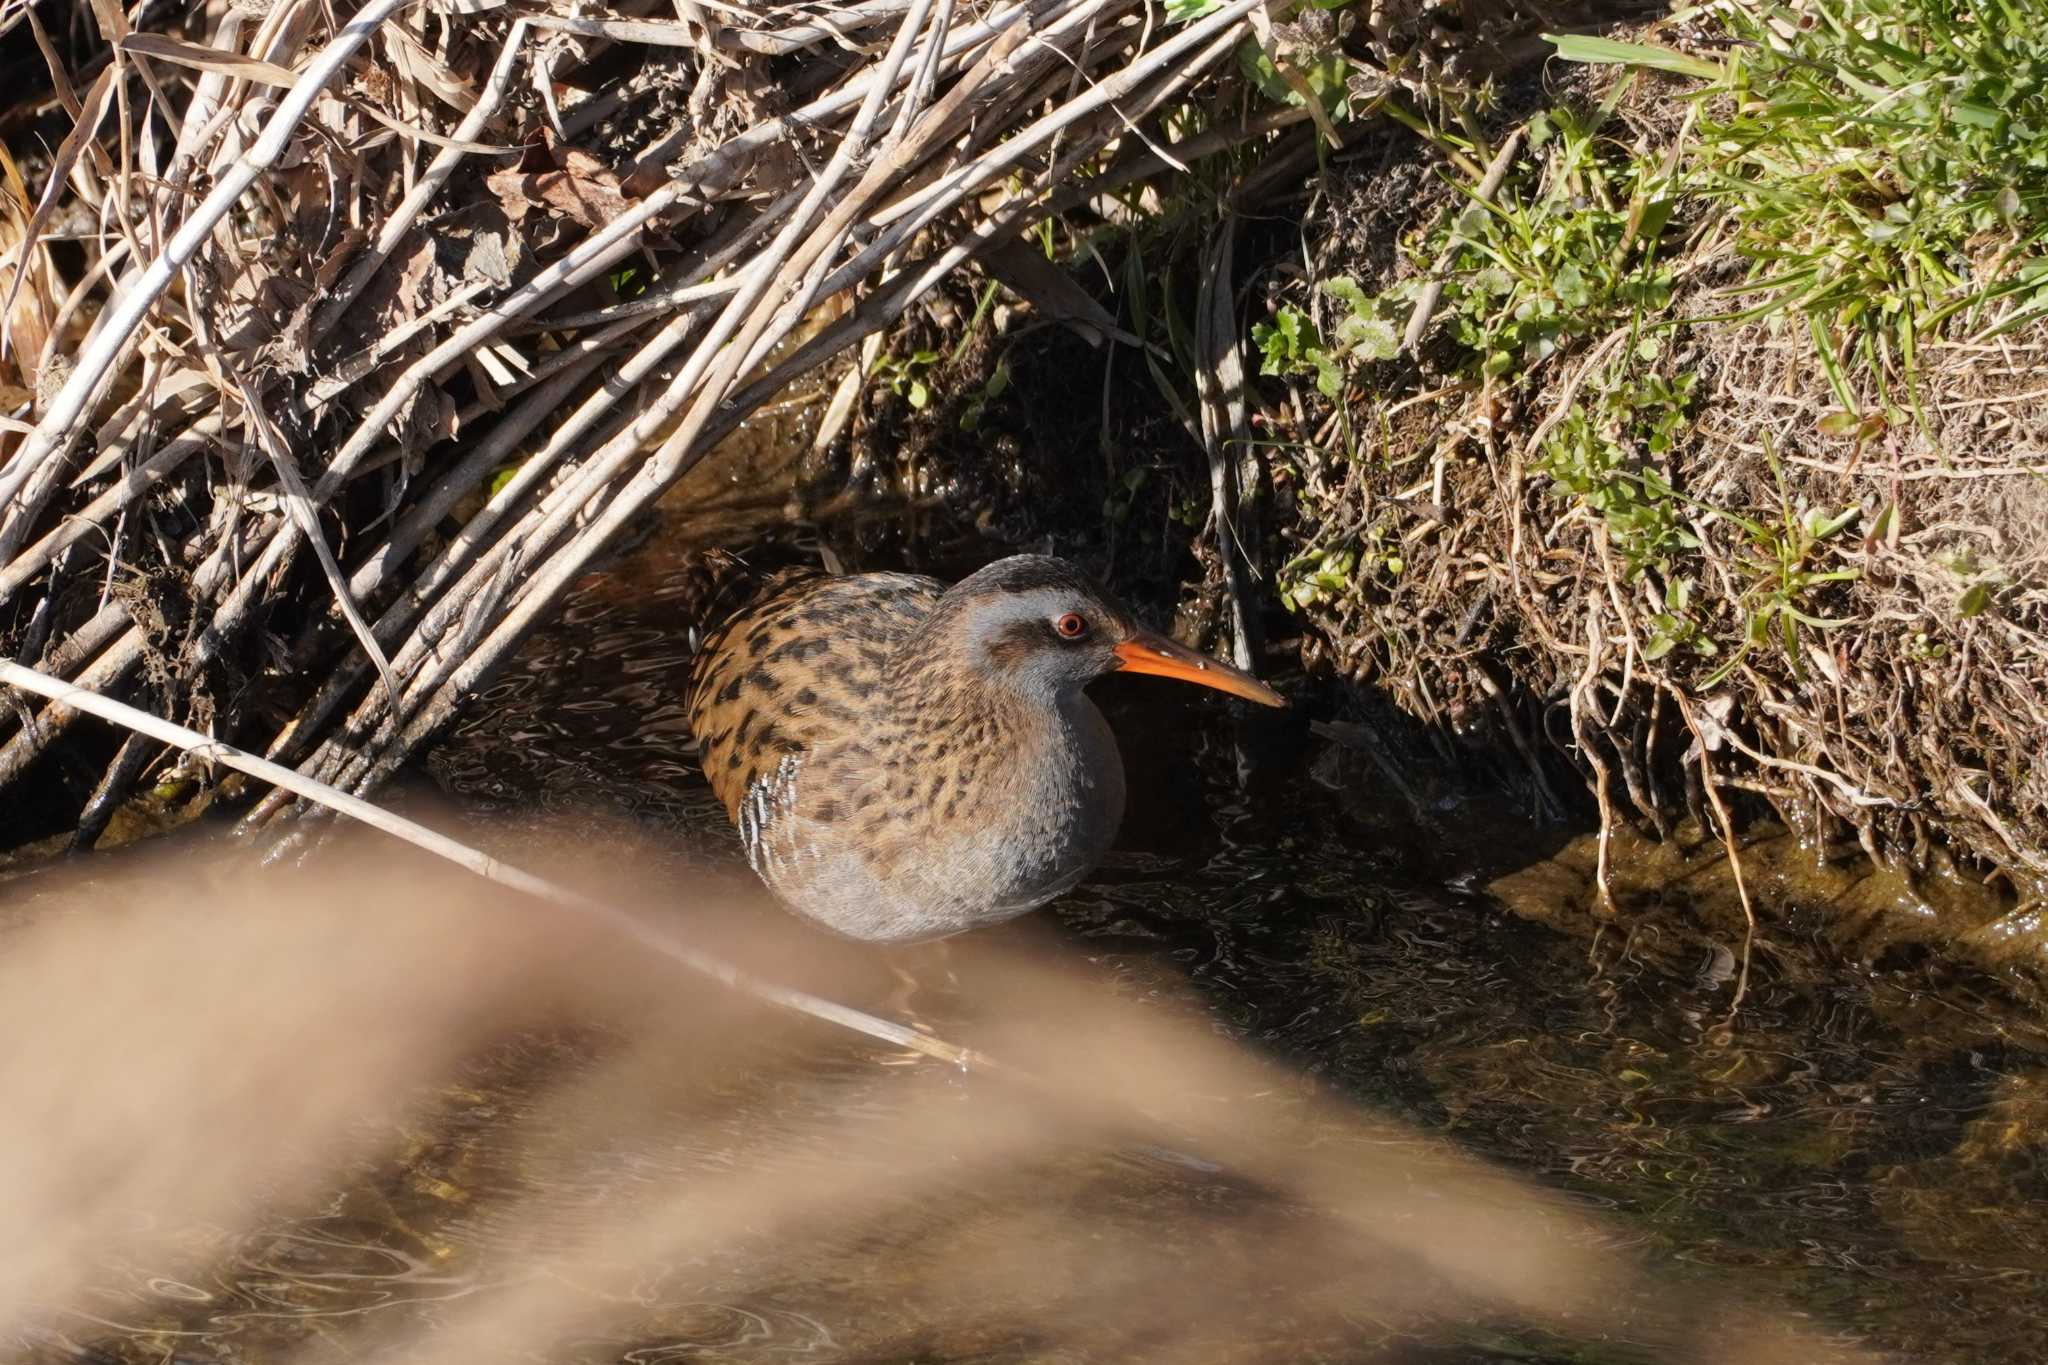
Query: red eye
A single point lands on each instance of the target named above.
(1071, 626)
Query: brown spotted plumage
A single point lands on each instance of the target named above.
(906, 761)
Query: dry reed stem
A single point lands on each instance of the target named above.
(1023, 92)
(482, 864)
(120, 325)
(693, 438)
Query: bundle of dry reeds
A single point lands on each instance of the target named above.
(342, 344)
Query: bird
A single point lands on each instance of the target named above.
(906, 761)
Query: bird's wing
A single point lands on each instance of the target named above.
(795, 675)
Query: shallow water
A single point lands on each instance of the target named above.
(1866, 1144)
(1857, 1153)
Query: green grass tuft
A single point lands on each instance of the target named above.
(1884, 164)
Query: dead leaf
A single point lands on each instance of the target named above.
(30, 309)
(416, 277)
(236, 64)
(490, 257)
(1053, 292)
(570, 183)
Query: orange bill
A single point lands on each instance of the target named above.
(1145, 652)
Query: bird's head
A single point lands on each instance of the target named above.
(1039, 626)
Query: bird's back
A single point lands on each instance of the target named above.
(797, 666)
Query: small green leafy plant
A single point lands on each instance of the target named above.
(1981, 583)
(996, 385)
(1784, 566)
(1365, 331)
(1609, 456)
(1292, 344)
(628, 283)
(1567, 249)
(1317, 577)
(1675, 626)
(905, 376)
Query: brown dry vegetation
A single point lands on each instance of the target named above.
(1819, 593)
(350, 341)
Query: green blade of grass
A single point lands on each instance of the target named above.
(1610, 52)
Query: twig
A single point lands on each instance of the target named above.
(112, 792)
(300, 503)
(1727, 843)
(1433, 291)
(482, 864)
(1581, 702)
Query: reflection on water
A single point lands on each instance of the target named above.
(408, 1121)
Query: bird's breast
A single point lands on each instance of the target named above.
(933, 857)
(1062, 809)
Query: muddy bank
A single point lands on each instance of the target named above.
(1699, 438)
